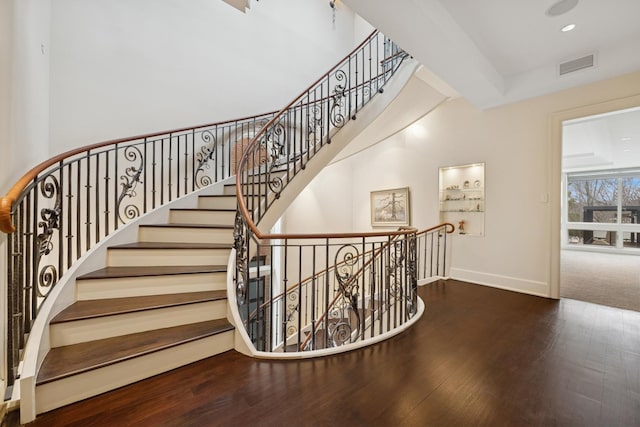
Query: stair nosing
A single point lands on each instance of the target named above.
(222, 326)
(199, 297)
(150, 271)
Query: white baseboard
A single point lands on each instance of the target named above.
(422, 282)
(515, 284)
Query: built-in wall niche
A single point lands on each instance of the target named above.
(462, 201)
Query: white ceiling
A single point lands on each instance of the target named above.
(606, 141)
(494, 52)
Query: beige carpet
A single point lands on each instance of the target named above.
(607, 279)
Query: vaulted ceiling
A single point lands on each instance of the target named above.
(494, 52)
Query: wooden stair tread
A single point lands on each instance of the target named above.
(182, 225)
(122, 272)
(70, 360)
(172, 245)
(106, 307)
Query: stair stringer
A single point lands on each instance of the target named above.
(63, 294)
(340, 138)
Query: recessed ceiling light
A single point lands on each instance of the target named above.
(567, 28)
(625, 138)
(561, 7)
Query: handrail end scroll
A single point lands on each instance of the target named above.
(6, 226)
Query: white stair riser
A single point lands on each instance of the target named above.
(92, 289)
(166, 257)
(75, 388)
(185, 235)
(79, 331)
(217, 202)
(202, 217)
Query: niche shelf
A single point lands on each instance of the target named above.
(462, 198)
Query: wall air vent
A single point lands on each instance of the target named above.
(577, 64)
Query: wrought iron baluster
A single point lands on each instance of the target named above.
(162, 188)
(185, 178)
(68, 213)
(193, 160)
(96, 211)
(107, 178)
(285, 282)
(61, 221)
(116, 221)
(87, 212)
(299, 326)
(129, 182)
(170, 163)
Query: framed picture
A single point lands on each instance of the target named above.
(390, 208)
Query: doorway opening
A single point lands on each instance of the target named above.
(600, 223)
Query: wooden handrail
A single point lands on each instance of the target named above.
(351, 279)
(302, 283)
(6, 202)
(379, 250)
(449, 229)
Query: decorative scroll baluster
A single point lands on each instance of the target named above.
(206, 155)
(240, 245)
(50, 223)
(129, 181)
(337, 115)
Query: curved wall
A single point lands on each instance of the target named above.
(121, 68)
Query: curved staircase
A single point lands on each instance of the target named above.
(159, 304)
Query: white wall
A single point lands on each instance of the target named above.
(121, 68)
(519, 150)
(6, 50)
(24, 122)
(325, 204)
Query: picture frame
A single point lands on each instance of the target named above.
(390, 208)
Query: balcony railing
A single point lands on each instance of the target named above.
(349, 289)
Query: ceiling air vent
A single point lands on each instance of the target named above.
(577, 64)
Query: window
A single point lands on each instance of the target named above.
(603, 209)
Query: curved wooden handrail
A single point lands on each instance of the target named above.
(7, 201)
(308, 279)
(447, 225)
(451, 228)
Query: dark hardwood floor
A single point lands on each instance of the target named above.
(479, 356)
